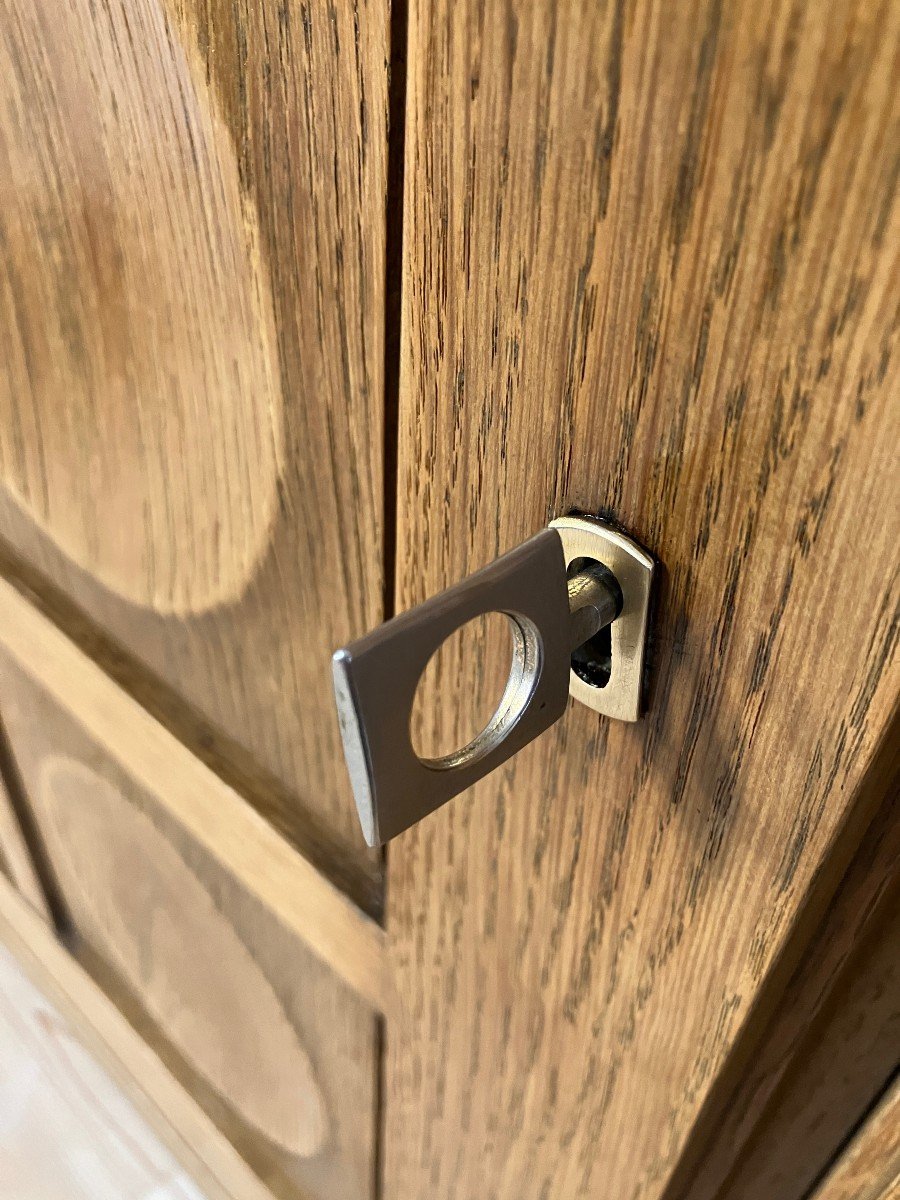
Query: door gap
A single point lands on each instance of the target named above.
(393, 314)
(393, 295)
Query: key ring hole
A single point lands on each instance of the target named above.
(474, 689)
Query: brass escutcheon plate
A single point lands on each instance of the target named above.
(591, 538)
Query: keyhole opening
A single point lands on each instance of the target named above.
(592, 661)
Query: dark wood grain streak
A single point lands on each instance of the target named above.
(651, 273)
(18, 851)
(193, 231)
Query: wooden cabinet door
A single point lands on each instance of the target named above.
(251, 977)
(192, 293)
(649, 272)
(192, 226)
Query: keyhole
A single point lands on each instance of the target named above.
(592, 661)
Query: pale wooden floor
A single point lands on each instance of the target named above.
(66, 1131)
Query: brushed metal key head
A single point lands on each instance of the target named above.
(376, 677)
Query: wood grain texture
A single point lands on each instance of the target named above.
(208, 811)
(869, 1169)
(191, 308)
(95, 837)
(66, 1129)
(145, 1082)
(279, 1052)
(841, 1064)
(831, 1044)
(650, 271)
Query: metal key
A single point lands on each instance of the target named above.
(560, 591)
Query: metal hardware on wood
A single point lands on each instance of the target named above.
(577, 598)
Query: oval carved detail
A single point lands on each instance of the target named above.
(138, 902)
(140, 404)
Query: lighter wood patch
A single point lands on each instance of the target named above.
(143, 907)
(66, 1128)
(140, 408)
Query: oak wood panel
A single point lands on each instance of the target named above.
(192, 218)
(840, 1066)
(833, 1041)
(281, 1054)
(209, 812)
(67, 1130)
(650, 271)
(103, 1031)
(869, 1169)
